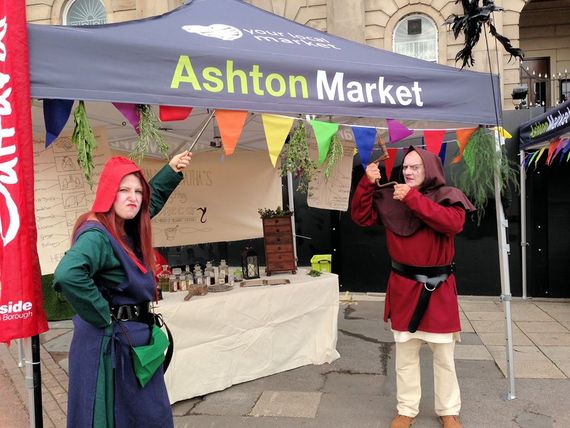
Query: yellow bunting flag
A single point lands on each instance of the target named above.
(503, 132)
(231, 124)
(276, 130)
(463, 136)
(537, 157)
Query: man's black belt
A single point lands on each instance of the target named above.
(431, 277)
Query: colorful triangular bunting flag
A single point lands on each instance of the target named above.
(397, 131)
(389, 162)
(552, 149)
(463, 136)
(364, 139)
(442, 153)
(433, 140)
(56, 114)
(131, 113)
(230, 123)
(172, 113)
(276, 130)
(324, 133)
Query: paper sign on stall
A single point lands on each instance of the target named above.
(62, 193)
(334, 193)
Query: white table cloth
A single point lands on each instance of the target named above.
(235, 336)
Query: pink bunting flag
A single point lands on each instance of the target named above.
(389, 162)
(433, 140)
(131, 113)
(397, 131)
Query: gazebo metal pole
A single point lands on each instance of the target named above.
(292, 209)
(524, 243)
(506, 296)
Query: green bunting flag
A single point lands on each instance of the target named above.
(324, 132)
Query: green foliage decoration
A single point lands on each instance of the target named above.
(296, 159)
(148, 132)
(270, 213)
(335, 154)
(482, 161)
(84, 142)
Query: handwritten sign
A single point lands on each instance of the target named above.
(62, 193)
(334, 193)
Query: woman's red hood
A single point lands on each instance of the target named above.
(113, 172)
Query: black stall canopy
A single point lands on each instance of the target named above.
(541, 130)
(227, 54)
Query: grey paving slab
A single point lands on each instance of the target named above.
(52, 334)
(228, 402)
(294, 404)
(60, 343)
(470, 339)
(484, 316)
(472, 352)
(183, 408)
(560, 316)
(495, 326)
(553, 339)
(529, 363)
(499, 339)
(480, 306)
(541, 327)
(361, 354)
(346, 384)
(529, 312)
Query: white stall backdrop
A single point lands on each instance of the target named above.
(217, 200)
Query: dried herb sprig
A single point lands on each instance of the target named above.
(269, 213)
(482, 161)
(296, 159)
(84, 141)
(335, 154)
(148, 132)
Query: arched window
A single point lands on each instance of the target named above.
(416, 36)
(84, 12)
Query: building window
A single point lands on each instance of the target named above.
(564, 90)
(84, 12)
(416, 36)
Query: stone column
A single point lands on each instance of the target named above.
(346, 19)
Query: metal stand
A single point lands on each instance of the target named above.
(34, 380)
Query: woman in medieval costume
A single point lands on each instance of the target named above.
(107, 276)
(421, 218)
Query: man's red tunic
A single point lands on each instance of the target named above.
(430, 245)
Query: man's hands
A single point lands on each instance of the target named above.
(400, 191)
(373, 172)
(180, 161)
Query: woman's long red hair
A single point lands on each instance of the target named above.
(138, 229)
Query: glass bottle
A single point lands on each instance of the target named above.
(172, 283)
(224, 270)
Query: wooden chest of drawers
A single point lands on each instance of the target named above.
(278, 241)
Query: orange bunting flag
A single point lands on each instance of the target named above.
(389, 162)
(433, 140)
(172, 113)
(463, 136)
(552, 150)
(230, 123)
(276, 130)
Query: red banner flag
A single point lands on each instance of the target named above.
(21, 303)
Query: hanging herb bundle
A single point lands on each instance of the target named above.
(84, 142)
(296, 159)
(482, 161)
(335, 154)
(148, 132)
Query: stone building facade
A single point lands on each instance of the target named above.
(414, 27)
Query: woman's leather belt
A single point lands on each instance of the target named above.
(139, 312)
(431, 277)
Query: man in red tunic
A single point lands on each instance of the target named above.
(421, 218)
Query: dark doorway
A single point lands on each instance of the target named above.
(535, 73)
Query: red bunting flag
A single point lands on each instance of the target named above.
(389, 162)
(433, 140)
(172, 113)
(553, 148)
(231, 123)
(21, 302)
(463, 136)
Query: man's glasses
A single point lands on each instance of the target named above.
(414, 168)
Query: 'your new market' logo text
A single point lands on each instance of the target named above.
(229, 33)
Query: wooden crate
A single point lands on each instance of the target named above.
(278, 241)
